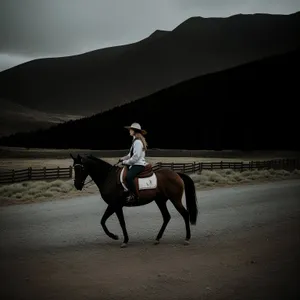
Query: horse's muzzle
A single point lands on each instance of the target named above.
(78, 185)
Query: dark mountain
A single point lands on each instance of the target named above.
(15, 117)
(247, 107)
(99, 80)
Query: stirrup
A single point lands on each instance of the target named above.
(131, 198)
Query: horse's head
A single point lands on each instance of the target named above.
(80, 171)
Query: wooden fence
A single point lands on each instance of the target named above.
(285, 164)
(67, 173)
(35, 174)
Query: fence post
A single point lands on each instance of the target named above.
(221, 164)
(200, 167)
(29, 173)
(58, 172)
(44, 172)
(194, 167)
(70, 172)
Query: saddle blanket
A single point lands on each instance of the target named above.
(147, 183)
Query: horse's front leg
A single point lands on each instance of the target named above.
(108, 212)
(120, 215)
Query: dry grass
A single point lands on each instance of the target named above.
(230, 177)
(31, 191)
(36, 191)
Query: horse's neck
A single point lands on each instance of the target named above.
(99, 171)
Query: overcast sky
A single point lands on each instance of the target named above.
(41, 28)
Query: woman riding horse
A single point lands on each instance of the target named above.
(135, 159)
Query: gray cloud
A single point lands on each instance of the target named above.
(41, 28)
(211, 8)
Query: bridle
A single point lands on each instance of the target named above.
(82, 168)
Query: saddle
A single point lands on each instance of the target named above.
(148, 171)
(146, 180)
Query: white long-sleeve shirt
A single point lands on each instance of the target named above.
(138, 157)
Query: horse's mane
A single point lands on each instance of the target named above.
(97, 160)
(91, 156)
(97, 168)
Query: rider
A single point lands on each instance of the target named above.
(135, 158)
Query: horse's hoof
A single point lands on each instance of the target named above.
(115, 237)
(186, 243)
(156, 242)
(123, 245)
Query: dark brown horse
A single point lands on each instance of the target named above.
(159, 186)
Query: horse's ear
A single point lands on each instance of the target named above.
(72, 156)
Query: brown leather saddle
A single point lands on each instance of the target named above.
(148, 172)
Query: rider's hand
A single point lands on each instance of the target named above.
(120, 160)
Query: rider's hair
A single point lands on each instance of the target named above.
(142, 138)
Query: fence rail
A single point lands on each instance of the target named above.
(12, 176)
(67, 173)
(286, 164)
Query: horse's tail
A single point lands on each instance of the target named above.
(191, 197)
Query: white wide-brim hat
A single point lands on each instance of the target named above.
(136, 126)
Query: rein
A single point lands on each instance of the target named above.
(115, 165)
(82, 167)
(85, 183)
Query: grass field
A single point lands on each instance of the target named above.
(22, 158)
(33, 191)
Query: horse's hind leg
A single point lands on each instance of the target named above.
(162, 205)
(177, 202)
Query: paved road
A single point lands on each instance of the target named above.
(244, 246)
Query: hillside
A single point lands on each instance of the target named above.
(99, 80)
(246, 107)
(15, 117)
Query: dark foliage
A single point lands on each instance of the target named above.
(249, 107)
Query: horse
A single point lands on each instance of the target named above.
(159, 186)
